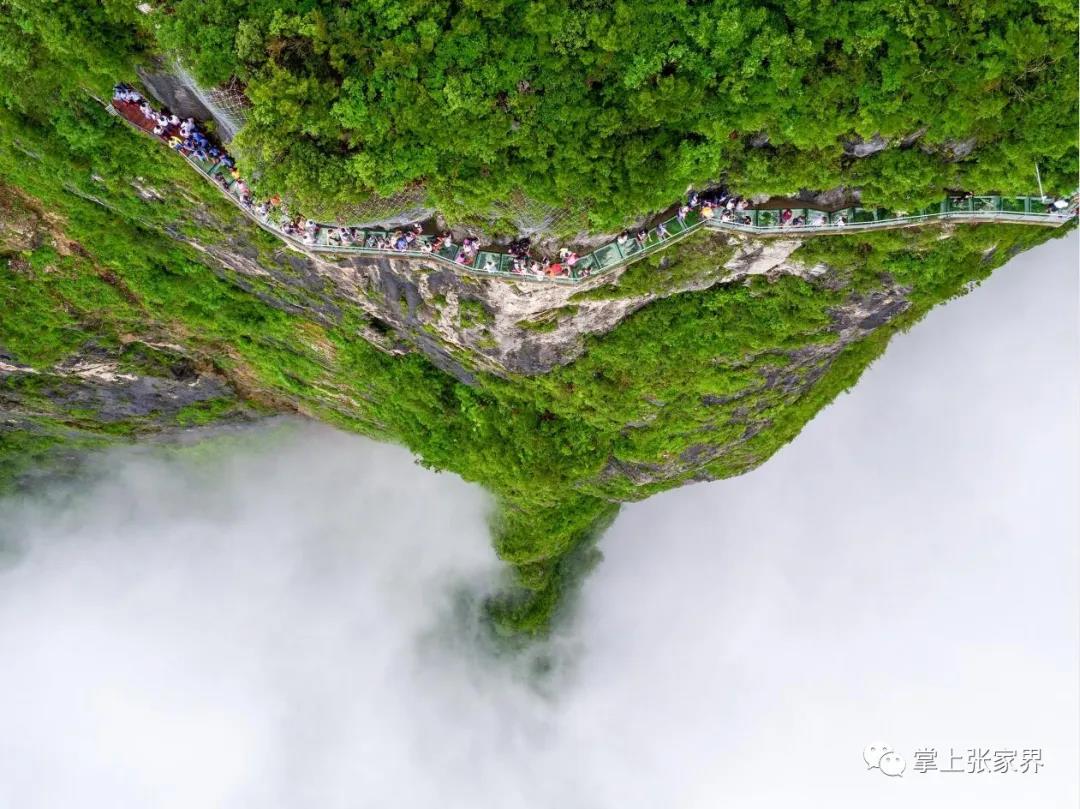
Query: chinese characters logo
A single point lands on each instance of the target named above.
(972, 760)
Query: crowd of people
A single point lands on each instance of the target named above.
(523, 262)
(183, 135)
(726, 207)
(186, 137)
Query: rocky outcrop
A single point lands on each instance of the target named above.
(857, 147)
(792, 378)
(107, 388)
(462, 322)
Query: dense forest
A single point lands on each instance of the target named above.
(107, 240)
(612, 107)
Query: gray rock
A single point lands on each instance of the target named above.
(952, 150)
(910, 140)
(180, 98)
(857, 147)
(831, 199)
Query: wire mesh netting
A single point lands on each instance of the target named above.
(532, 218)
(226, 103)
(230, 98)
(408, 204)
(518, 214)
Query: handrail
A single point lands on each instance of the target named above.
(994, 208)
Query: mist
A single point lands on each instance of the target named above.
(286, 617)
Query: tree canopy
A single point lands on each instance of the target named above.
(620, 106)
(615, 105)
(606, 105)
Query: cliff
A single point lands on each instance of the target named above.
(136, 302)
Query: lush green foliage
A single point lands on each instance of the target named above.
(350, 99)
(676, 380)
(621, 105)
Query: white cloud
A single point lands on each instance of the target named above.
(274, 625)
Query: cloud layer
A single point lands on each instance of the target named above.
(283, 620)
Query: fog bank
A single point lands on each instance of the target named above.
(284, 622)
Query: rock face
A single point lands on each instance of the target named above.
(181, 98)
(856, 319)
(468, 325)
(464, 322)
(858, 147)
(157, 374)
(104, 386)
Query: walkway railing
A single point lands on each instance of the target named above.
(761, 222)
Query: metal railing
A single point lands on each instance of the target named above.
(761, 222)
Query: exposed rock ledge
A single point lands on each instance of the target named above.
(464, 322)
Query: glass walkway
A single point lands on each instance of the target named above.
(761, 222)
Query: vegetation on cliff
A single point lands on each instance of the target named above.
(116, 260)
(622, 105)
(613, 106)
(684, 389)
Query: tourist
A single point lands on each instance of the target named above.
(622, 239)
(681, 215)
(706, 211)
(661, 231)
(641, 238)
(786, 216)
